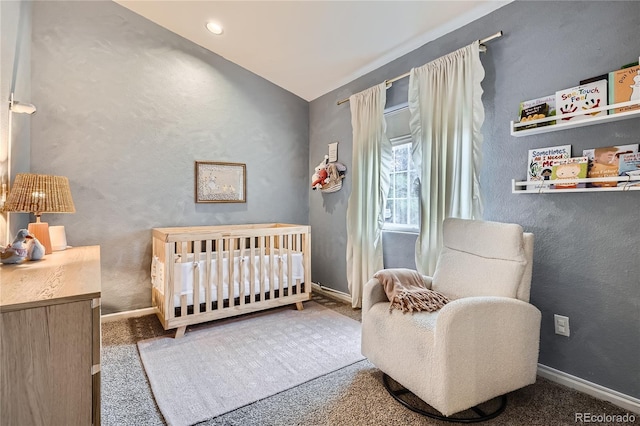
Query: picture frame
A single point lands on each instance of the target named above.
(217, 182)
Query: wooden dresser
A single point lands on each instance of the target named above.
(50, 340)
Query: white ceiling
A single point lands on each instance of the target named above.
(313, 47)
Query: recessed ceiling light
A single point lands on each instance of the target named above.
(214, 28)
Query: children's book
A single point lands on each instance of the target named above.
(582, 98)
(540, 162)
(536, 109)
(629, 165)
(604, 162)
(570, 168)
(624, 86)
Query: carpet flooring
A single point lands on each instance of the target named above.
(351, 396)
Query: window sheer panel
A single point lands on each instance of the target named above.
(372, 157)
(446, 116)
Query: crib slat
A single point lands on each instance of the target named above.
(169, 277)
(298, 247)
(230, 283)
(183, 305)
(261, 264)
(197, 248)
(220, 264)
(183, 252)
(280, 267)
(252, 270)
(272, 269)
(241, 272)
(289, 264)
(207, 280)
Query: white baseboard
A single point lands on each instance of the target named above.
(329, 292)
(621, 400)
(127, 314)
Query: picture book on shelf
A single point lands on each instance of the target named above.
(624, 86)
(540, 162)
(604, 162)
(569, 168)
(536, 109)
(582, 98)
(629, 165)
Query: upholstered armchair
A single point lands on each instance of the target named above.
(483, 343)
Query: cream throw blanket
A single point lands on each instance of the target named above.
(406, 291)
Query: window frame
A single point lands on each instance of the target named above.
(397, 142)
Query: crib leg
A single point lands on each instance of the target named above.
(180, 332)
(299, 306)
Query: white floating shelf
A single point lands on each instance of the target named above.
(624, 183)
(562, 125)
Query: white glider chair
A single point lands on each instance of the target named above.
(479, 346)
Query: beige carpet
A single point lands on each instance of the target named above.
(228, 364)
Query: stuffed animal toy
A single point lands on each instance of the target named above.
(316, 176)
(16, 252)
(35, 249)
(321, 179)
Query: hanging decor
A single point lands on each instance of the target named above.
(328, 175)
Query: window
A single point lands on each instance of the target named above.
(402, 212)
(403, 207)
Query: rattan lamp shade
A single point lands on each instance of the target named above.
(32, 193)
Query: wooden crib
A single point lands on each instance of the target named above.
(204, 273)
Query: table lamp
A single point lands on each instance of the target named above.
(37, 194)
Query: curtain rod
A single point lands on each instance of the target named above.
(406, 74)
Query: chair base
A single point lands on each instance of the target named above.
(481, 415)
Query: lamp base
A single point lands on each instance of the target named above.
(40, 230)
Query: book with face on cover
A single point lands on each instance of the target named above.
(569, 168)
(603, 162)
(540, 162)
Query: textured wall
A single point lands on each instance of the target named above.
(15, 76)
(587, 264)
(125, 107)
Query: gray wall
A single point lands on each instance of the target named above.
(586, 263)
(15, 76)
(125, 107)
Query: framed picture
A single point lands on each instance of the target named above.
(220, 182)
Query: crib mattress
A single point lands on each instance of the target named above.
(186, 271)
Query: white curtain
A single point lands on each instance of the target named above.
(370, 184)
(446, 115)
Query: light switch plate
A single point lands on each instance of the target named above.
(561, 325)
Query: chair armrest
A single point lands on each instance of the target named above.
(488, 317)
(491, 310)
(373, 293)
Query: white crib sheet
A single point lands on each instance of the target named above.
(184, 274)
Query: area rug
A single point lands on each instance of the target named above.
(227, 364)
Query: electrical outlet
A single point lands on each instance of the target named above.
(561, 325)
